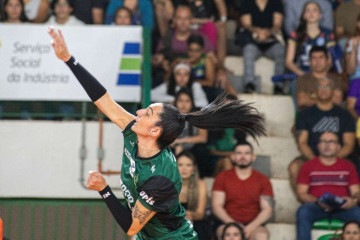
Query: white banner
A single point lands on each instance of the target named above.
(29, 69)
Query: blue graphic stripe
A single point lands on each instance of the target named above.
(128, 79)
(131, 48)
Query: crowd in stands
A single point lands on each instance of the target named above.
(314, 43)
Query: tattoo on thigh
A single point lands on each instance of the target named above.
(141, 215)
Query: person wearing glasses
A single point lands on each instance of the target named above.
(323, 116)
(328, 186)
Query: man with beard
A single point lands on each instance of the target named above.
(243, 195)
(328, 187)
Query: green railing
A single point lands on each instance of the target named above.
(58, 219)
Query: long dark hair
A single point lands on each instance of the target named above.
(233, 224)
(301, 30)
(4, 16)
(219, 114)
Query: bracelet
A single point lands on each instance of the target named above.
(223, 18)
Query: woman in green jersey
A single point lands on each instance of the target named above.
(150, 180)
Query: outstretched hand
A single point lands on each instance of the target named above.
(96, 181)
(59, 45)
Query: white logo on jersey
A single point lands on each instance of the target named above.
(132, 163)
(153, 168)
(126, 192)
(106, 195)
(148, 199)
(132, 143)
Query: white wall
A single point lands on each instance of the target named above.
(41, 158)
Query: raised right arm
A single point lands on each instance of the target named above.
(93, 88)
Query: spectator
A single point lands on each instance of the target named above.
(123, 17)
(180, 78)
(262, 20)
(13, 12)
(345, 20)
(243, 195)
(174, 44)
(353, 53)
(210, 17)
(308, 34)
(142, 11)
(37, 11)
(90, 11)
(193, 195)
(351, 231)
(306, 85)
(293, 14)
(232, 231)
(190, 136)
(63, 14)
(324, 175)
(313, 121)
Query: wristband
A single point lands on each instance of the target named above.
(223, 18)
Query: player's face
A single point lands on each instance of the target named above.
(243, 157)
(182, 77)
(328, 145)
(184, 103)
(186, 167)
(232, 233)
(146, 120)
(351, 232)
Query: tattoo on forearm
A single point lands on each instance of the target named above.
(141, 215)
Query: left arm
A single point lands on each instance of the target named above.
(354, 197)
(221, 6)
(348, 139)
(130, 221)
(199, 213)
(266, 206)
(277, 22)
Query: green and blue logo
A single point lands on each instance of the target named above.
(130, 65)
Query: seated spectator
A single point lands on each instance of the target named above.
(308, 34)
(90, 11)
(322, 117)
(223, 82)
(345, 21)
(262, 21)
(123, 17)
(174, 44)
(210, 17)
(293, 9)
(190, 136)
(243, 195)
(13, 12)
(37, 11)
(232, 231)
(142, 11)
(306, 85)
(321, 180)
(180, 78)
(193, 195)
(353, 53)
(62, 14)
(351, 231)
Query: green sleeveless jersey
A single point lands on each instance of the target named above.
(156, 183)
